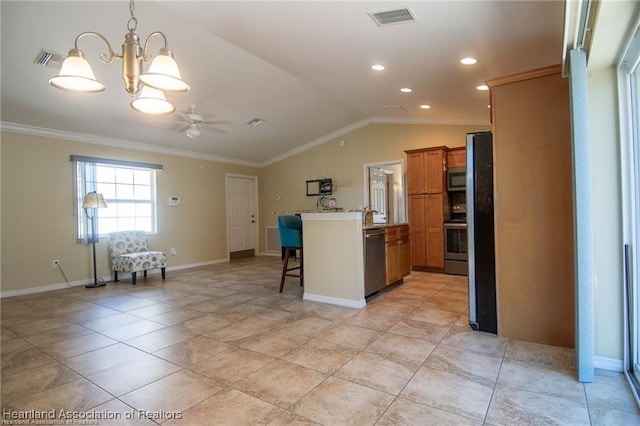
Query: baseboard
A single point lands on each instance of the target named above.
(271, 253)
(610, 364)
(335, 300)
(107, 279)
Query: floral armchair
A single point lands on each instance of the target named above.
(130, 253)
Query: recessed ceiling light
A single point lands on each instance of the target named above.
(406, 90)
(482, 87)
(468, 61)
(378, 67)
(425, 106)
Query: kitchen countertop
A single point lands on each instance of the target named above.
(383, 225)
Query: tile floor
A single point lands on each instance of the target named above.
(219, 345)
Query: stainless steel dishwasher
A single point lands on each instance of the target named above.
(375, 271)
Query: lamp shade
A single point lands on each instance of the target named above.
(152, 101)
(76, 75)
(93, 200)
(163, 74)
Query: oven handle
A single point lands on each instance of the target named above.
(456, 225)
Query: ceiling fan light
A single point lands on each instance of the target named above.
(152, 101)
(163, 74)
(76, 75)
(192, 132)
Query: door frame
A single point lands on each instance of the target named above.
(256, 230)
(402, 204)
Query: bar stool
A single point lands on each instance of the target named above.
(290, 232)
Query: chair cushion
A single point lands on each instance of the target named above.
(139, 261)
(130, 253)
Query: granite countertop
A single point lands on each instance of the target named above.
(338, 210)
(383, 225)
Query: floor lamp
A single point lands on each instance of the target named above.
(94, 200)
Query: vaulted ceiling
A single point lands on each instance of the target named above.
(303, 67)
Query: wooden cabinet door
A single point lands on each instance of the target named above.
(415, 173)
(435, 231)
(393, 266)
(457, 157)
(417, 205)
(404, 254)
(434, 170)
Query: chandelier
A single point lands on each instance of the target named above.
(162, 75)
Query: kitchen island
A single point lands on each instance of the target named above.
(334, 257)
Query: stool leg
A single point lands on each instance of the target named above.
(301, 267)
(133, 277)
(284, 267)
(163, 273)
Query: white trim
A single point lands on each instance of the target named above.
(359, 304)
(122, 143)
(605, 363)
(403, 172)
(374, 120)
(270, 253)
(106, 279)
(119, 143)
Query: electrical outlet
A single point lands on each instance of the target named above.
(55, 263)
(173, 251)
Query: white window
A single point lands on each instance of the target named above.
(129, 190)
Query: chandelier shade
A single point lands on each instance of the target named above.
(164, 74)
(76, 75)
(152, 101)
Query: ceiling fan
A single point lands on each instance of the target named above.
(193, 122)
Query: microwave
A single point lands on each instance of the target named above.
(456, 179)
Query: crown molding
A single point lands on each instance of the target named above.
(121, 143)
(118, 143)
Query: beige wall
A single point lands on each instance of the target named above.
(607, 213)
(37, 210)
(370, 144)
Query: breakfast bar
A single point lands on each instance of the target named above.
(334, 256)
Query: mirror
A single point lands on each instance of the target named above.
(384, 191)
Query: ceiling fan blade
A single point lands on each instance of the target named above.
(216, 122)
(216, 130)
(182, 129)
(184, 116)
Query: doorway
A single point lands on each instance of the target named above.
(242, 215)
(384, 191)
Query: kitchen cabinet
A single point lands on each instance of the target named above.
(397, 252)
(457, 157)
(426, 169)
(533, 207)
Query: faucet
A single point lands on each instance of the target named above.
(367, 218)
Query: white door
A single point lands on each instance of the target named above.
(378, 194)
(241, 212)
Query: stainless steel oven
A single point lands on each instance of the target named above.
(455, 248)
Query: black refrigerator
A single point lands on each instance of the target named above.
(480, 233)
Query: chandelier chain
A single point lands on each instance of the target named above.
(132, 23)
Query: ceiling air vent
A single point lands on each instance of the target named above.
(394, 108)
(48, 59)
(391, 17)
(255, 122)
